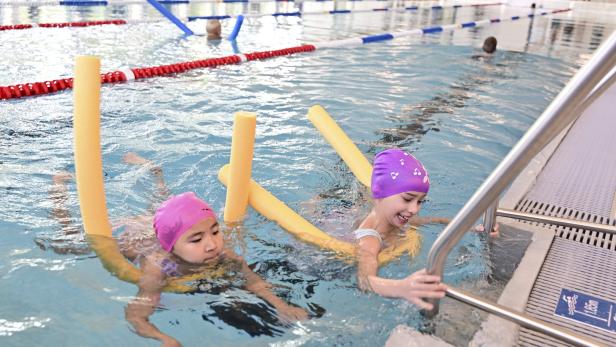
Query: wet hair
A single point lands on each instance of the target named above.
(489, 45)
(213, 29)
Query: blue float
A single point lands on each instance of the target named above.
(432, 30)
(375, 38)
(83, 3)
(170, 16)
(287, 14)
(193, 18)
(236, 28)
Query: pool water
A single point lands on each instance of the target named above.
(431, 94)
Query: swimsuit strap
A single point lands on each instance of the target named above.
(361, 233)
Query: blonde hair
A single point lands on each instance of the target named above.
(213, 29)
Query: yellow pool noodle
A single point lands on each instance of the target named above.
(346, 149)
(88, 162)
(89, 177)
(274, 209)
(242, 147)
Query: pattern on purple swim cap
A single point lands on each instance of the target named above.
(395, 172)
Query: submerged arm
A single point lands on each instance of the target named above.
(59, 195)
(139, 310)
(255, 284)
(416, 220)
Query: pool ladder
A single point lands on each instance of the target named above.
(590, 82)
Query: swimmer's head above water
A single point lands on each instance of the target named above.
(187, 227)
(213, 29)
(399, 185)
(489, 45)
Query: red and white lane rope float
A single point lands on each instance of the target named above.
(48, 87)
(63, 25)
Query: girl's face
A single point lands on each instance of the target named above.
(202, 243)
(397, 209)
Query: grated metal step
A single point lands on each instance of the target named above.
(577, 266)
(598, 239)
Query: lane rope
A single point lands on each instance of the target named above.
(129, 74)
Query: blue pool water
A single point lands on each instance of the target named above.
(426, 94)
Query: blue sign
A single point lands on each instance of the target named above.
(587, 309)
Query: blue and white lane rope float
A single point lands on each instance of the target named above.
(140, 2)
(427, 30)
(221, 17)
(306, 13)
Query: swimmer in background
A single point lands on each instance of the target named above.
(188, 240)
(489, 45)
(399, 185)
(213, 29)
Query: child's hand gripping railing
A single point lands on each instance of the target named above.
(565, 109)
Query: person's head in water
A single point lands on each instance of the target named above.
(489, 45)
(213, 29)
(186, 226)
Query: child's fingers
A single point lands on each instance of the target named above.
(422, 304)
(426, 278)
(62, 176)
(428, 287)
(495, 231)
(435, 294)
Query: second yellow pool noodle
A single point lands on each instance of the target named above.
(242, 145)
(274, 209)
(89, 176)
(345, 148)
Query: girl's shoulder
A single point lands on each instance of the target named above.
(163, 261)
(365, 232)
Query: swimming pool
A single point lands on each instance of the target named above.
(426, 94)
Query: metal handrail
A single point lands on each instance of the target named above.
(565, 109)
(489, 217)
(571, 223)
(521, 319)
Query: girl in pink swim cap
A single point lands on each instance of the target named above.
(191, 241)
(188, 240)
(399, 186)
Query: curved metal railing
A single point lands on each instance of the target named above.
(565, 109)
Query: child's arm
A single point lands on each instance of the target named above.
(412, 288)
(162, 192)
(257, 285)
(59, 194)
(417, 221)
(139, 310)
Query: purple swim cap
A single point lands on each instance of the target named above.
(178, 214)
(395, 172)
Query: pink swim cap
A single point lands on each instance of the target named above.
(395, 172)
(178, 214)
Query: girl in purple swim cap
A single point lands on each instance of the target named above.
(399, 186)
